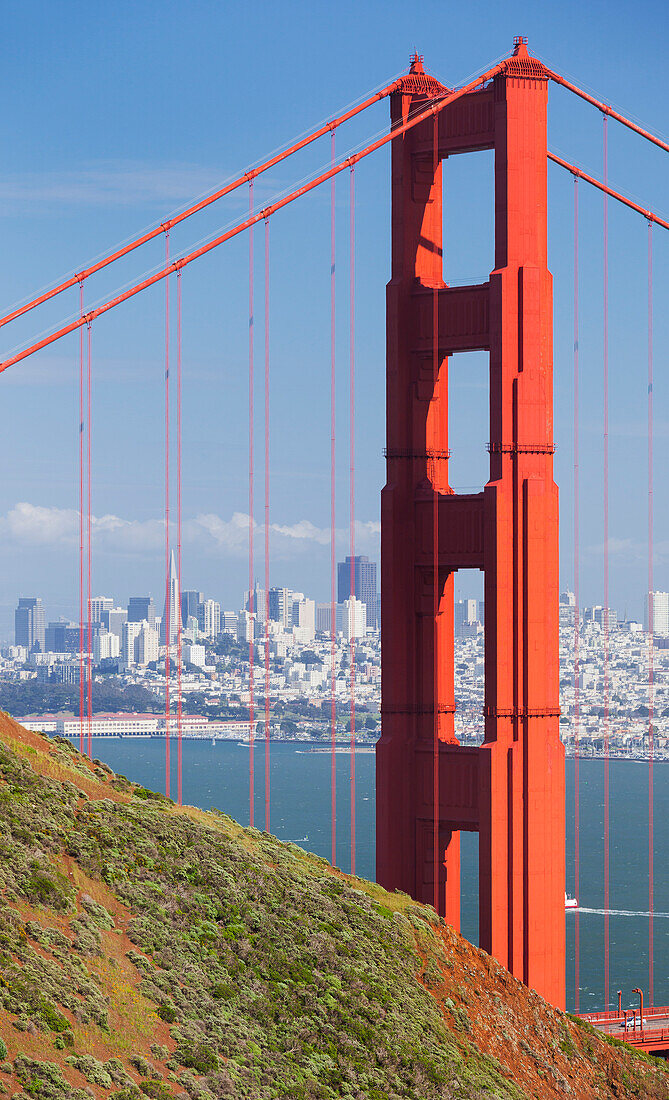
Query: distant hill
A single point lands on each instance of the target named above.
(148, 950)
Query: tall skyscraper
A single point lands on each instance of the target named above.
(364, 584)
(141, 608)
(29, 623)
(255, 602)
(64, 637)
(190, 604)
(304, 618)
(660, 609)
(464, 616)
(114, 619)
(281, 606)
(209, 618)
(354, 618)
(130, 633)
(98, 605)
(172, 611)
(146, 645)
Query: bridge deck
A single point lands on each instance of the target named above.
(651, 1034)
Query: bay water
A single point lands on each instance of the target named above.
(217, 775)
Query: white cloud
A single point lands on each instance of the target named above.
(30, 523)
(108, 183)
(36, 525)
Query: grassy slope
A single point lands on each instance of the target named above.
(147, 950)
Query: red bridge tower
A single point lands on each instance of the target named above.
(511, 789)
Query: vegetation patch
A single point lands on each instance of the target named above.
(152, 951)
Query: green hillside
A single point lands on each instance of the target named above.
(148, 950)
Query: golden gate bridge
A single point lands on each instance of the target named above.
(511, 789)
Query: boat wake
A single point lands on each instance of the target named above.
(616, 912)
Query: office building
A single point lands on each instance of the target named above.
(354, 619)
(65, 637)
(255, 602)
(114, 619)
(245, 626)
(281, 606)
(660, 613)
(606, 618)
(106, 646)
(190, 604)
(364, 584)
(464, 617)
(209, 618)
(169, 623)
(141, 608)
(194, 654)
(146, 645)
(304, 619)
(324, 617)
(229, 622)
(98, 605)
(128, 637)
(29, 624)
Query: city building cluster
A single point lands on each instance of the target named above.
(132, 644)
(614, 686)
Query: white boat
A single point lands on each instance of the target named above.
(569, 902)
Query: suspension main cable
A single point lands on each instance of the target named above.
(580, 174)
(176, 219)
(607, 110)
(435, 107)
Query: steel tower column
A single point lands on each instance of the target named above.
(511, 790)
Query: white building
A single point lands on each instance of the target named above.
(324, 617)
(244, 627)
(98, 605)
(660, 613)
(106, 646)
(172, 610)
(194, 654)
(129, 633)
(147, 644)
(354, 618)
(209, 618)
(113, 619)
(304, 617)
(465, 617)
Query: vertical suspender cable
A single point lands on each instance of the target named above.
(435, 564)
(333, 617)
(352, 616)
(651, 638)
(577, 616)
(267, 819)
(606, 625)
(179, 519)
(82, 668)
(167, 624)
(89, 643)
(252, 608)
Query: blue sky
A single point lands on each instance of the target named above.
(116, 115)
